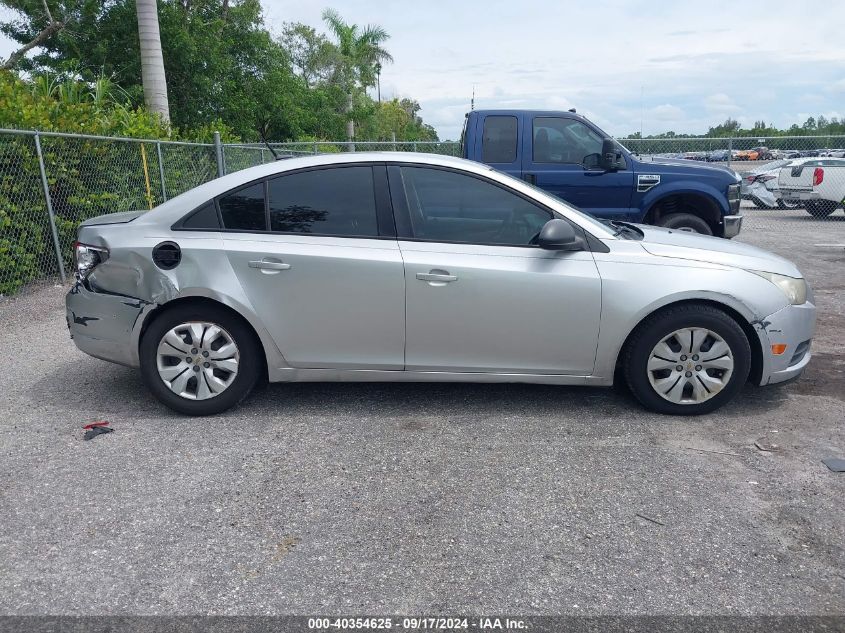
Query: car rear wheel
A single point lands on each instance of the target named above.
(820, 208)
(199, 360)
(687, 360)
(686, 222)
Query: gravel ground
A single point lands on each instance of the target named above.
(355, 498)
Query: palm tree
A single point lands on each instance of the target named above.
(359, 54)
(152, 62)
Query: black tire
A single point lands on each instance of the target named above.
(686, 222)
(820, 208)
(249, 365)
(661, 324)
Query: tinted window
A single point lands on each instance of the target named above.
(449, 207)
(498, 142)
(559, 140)
(203, 218)
(244, 209)
(336, 201)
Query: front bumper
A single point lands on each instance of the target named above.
(103, 325)
(793, 326)
(732, 225)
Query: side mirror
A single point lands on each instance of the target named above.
(610, 155)
(558, 235)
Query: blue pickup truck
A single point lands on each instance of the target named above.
(566, 155)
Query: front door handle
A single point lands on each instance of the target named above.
(268, 264)
(437, 276)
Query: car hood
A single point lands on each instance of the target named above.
(687, 164)
(715, 250)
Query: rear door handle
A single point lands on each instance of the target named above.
(265, 264)
(432, 276)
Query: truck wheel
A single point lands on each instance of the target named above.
(687, 360)
(686, 222)
(820, 208)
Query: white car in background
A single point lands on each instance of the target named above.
(761, 186)
(817, 183)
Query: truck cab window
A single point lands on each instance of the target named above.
(498, 141)
(560, 140)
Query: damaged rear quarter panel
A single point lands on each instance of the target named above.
(135, 287)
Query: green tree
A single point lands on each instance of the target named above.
(358, 52)
(312, 55)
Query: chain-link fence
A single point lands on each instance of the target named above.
(50, 182)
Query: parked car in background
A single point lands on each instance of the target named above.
(414, 267)
(817, 183)
(761, 186)
(568, 156)
(755, 153)
(717, 156)
(763, 153)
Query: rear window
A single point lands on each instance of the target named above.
(335, 201)
(243, 210)
(498, 141)
(203, 218)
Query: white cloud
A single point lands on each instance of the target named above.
(720, 102)
(666, 112)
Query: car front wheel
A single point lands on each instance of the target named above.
(199, 360)
(687, 360)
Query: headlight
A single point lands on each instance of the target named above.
(794, 289)
(87, 258)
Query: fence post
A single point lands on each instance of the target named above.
(218, 150)
(315, 148)
(161, 172)
(730, 150)
(415, 146)
(49, 201)
(393, 139)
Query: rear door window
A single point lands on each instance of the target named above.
(244, 209)
(335, 201)
(498, 140)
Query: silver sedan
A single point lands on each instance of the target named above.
(415, 267)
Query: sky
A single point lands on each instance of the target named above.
(629, 65)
